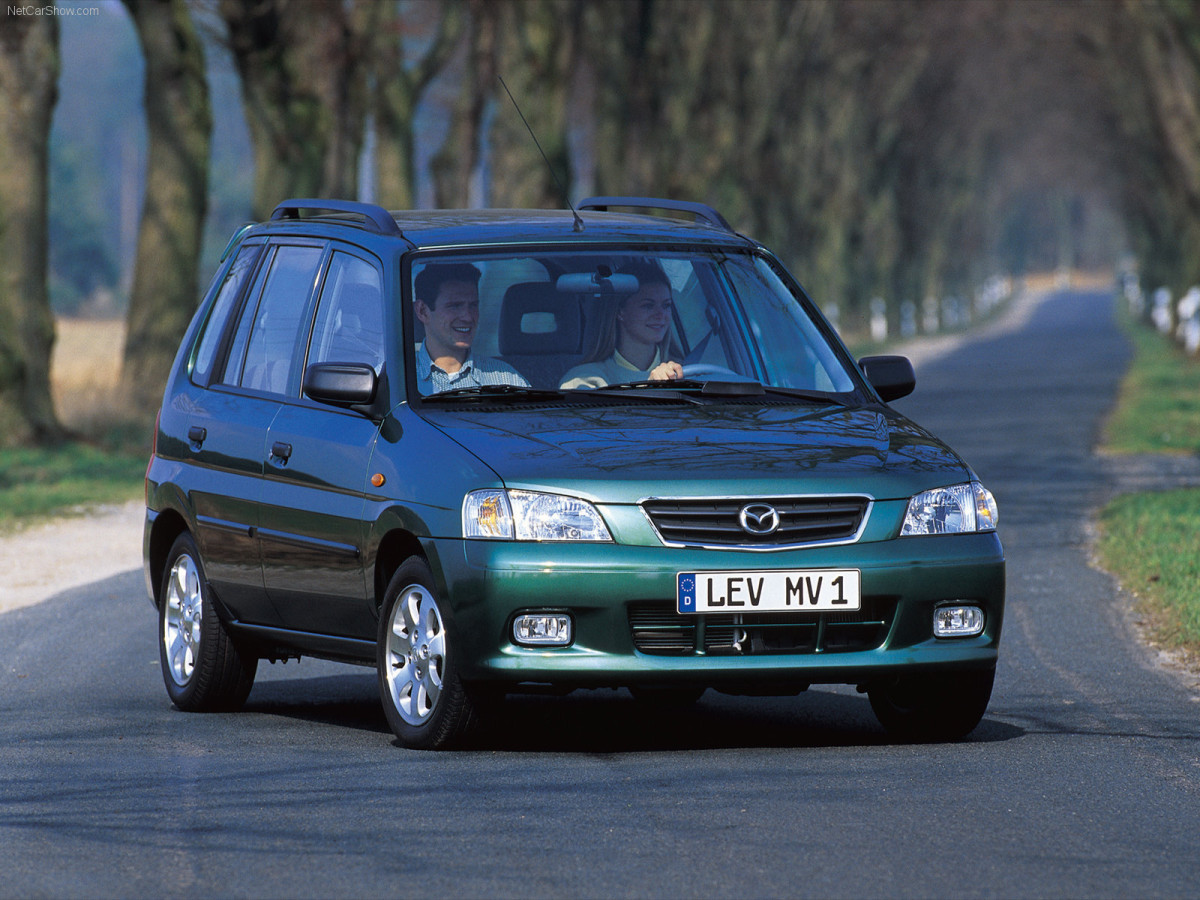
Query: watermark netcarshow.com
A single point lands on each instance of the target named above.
(52, 10)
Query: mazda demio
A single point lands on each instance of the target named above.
(496, 451)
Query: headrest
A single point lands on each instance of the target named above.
(538, 320)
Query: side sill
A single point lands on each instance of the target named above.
(283, 642)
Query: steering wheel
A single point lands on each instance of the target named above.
(702, 371)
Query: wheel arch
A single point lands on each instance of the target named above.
(167, 528)
(395, 547)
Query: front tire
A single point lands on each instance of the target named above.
(203, 669)
(423, 699)
(928, 708)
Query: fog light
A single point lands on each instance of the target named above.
(542, 629)
(957, 621)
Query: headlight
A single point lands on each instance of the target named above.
(531, 516)
(951, 510)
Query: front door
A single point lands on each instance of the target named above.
(310, 526)
(315, 473)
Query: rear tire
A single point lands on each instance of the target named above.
(202, 667)
(424, 701)
(927, 708)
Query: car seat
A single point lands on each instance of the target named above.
(541, 331)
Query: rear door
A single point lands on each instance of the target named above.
(229, 425)
(225, 434)
(315, 472)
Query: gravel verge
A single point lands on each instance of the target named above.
(43, 560)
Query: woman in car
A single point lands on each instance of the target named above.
(633, 340)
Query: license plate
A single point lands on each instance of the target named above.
(811, 590)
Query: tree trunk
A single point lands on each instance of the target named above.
(455, 164)
(179, 124)
(303, 72)
(28, 76)
(399, 84)
(537, 49)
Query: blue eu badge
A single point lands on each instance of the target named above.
(687, 592)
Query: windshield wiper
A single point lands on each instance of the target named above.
(643, 390)
(646, 385)
(717, 388)
(495, 391)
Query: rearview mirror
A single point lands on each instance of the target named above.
(596, 283)
(891, 376)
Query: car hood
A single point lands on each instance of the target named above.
(624, 454)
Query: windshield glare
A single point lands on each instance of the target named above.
(581, 321)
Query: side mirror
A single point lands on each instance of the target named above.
(341, 384)
(891, 376)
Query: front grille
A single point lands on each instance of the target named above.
(715, 522)
(658, 630)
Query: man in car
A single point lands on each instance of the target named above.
(447, 303)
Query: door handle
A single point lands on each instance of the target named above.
(281, 450)
(197, 434)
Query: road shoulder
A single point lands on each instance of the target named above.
(38, 562)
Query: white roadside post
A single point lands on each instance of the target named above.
(1161, 313)
(1189, 320)
(879, 322)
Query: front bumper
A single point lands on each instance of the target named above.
(622, 602)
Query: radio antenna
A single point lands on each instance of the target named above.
(578, 221)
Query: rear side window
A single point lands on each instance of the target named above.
(274, 348)
(210, 343)
(349, 326)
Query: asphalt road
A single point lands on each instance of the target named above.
(1083, 779)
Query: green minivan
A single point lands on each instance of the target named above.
(495, 451)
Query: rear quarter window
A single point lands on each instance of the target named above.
(272, 348)
(214, 328)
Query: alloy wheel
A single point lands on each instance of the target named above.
(182, 622)
(416, 655)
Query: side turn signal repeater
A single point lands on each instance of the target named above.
(377, 479)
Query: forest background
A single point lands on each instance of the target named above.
(897, 155)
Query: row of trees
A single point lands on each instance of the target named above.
(900, 150)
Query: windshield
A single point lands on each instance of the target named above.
(569, 321)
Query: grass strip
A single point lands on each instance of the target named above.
(1158, 406)
(39, 483)
(1150, 541)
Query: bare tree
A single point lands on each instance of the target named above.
(28, 74)
(303, 68)
(457, 161)
(179, 125)
(537, 51)
(885, 148)
(1152, 50)
(398, 83)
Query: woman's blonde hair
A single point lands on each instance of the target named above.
(604, 335)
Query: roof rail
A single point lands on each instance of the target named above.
(702, 211)
(375, 217)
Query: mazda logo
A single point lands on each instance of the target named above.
(759, 519)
